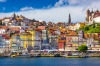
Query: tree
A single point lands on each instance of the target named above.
(94, 28)
(86, 28)
(82, 48)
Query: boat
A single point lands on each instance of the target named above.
(24, 56)
(13, 55)
(57, 55)
(35, 55)
(75, 55)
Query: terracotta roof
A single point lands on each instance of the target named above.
(72, 33)
(37, 29)
(5, 36)
(52, 29)
(86, 35)
(14, 28)
(41, 27)
(96, 14)
(4, 27)
(62, 30)
(18, 18)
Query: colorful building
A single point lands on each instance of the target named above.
(72, 41)
(15, 43)
(25, 39)
(33, 37)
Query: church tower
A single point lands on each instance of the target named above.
(14, 16)
(69, 20)
(87, 15)
(88, 12)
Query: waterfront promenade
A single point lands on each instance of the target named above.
(71, 54)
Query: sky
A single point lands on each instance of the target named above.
(49, 10)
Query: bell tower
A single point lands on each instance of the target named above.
(69, 19)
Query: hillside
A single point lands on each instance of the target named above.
(94, 28)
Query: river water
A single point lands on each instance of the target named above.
(47, 61)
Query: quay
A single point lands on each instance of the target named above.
(52, 54)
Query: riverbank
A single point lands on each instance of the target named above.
(59, 54)
(29, 56)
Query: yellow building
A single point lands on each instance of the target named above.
(25, 39)
(33, 35)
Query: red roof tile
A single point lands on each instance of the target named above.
(41, 27)
(14, 28)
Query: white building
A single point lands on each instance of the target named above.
(76, 26)
(92, 17)
(96, 19)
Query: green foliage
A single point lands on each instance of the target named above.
(94, 28)
(82, 48)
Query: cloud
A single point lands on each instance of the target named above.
(80, 2)
(59, 14)
(60, 3)
(26, 8)
(47, 7)
(77, 9)
(2, 0)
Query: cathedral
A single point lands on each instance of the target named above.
(92, 17)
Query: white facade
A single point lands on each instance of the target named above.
(71, 27)
(77, 26)
(2, 31)
(74, 27)
(44, 36)
(97, 19)
(6, 21)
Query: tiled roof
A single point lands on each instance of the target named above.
(14, 28)
(96, 15)
(37, 29)
(4, 27)
(72, 33)
(5, 36)
(18, 18)
(41, 27)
